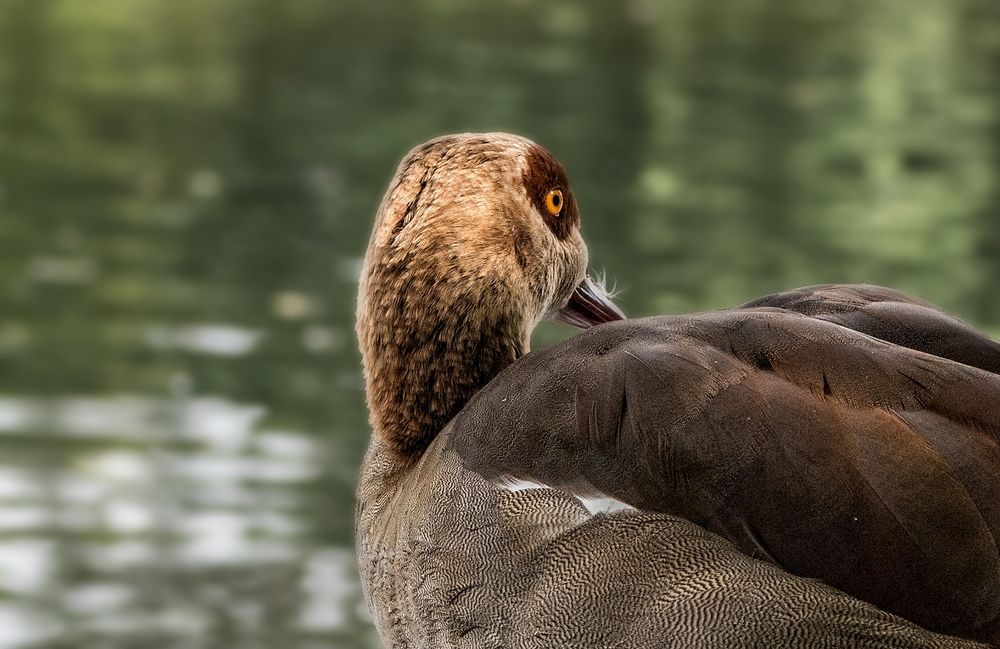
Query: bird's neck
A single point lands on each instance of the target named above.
(426, 350)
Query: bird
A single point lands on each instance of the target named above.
(815, 468)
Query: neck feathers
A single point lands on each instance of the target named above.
(427, 348)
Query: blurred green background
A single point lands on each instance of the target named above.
(187, 186)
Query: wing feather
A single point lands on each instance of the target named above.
(838, 455)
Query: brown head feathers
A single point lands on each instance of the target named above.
(463, 262)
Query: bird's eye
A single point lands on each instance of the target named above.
(554, 202)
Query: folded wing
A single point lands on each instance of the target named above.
(893, 316)
(870, 465)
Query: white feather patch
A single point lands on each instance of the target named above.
(521, 485)
(594, 504)
(603, 504)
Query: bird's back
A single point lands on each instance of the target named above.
(832, 454)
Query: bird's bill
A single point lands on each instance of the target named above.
(588, 306)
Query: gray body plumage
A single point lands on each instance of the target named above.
(449, 559)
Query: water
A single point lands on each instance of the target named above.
(186, 189)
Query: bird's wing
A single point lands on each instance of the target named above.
(533, 569)
(836, 455)
(893, 316)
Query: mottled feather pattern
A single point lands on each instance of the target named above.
(427, 308)
(857, 482)
(834, 433)
(474, 565)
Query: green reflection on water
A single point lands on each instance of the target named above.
(186, 189)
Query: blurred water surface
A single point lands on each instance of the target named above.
(186, 189)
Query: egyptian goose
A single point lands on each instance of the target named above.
(806, 470)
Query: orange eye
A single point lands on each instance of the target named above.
(554, 202)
